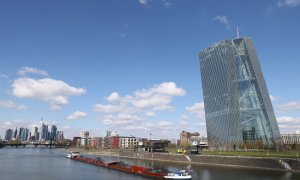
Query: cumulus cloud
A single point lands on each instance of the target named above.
(130, 112)
(223, 20)
(287, 119)
(26, 70)
(121, 119)
(113, 97)
(151, 113)
(55, 92)
(197, 109)
(107, 108)
(165, 88)
(288, 3)
(288, 124)
(77, 115)
(156, 98)
(290, 106)
(9, 104)
(143, 2)
(273, 98)
(167, 3)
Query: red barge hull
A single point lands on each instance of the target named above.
(143, 171)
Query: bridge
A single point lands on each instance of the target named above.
(35, 144)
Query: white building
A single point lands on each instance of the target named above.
(290, 138)
(198, 141)
(127, 142)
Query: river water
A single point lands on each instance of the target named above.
(45, 164)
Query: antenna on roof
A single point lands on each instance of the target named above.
(237, 32)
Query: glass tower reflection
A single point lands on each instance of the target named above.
(237, 103)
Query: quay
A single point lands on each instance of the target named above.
(268, 163)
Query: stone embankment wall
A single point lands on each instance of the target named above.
(250, 162)
(294, 164)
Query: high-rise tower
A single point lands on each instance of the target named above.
(237, 103)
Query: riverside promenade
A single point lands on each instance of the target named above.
(270, 163)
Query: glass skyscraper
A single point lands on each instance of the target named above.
(238, 108)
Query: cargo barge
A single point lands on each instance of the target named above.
(158, 173)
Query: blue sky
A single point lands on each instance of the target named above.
(132, 66)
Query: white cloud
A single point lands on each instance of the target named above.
(288, 124)
(223, 20)
(121, 119)
(153, 101)
(113, 97)
(166, 125)
(273, 98)
(151, 113)
(167, 3)
(163, 108)
(144, 2)
(55, 92)
(9, 104)
(288, 3)
(107, 108)
(25, 70)
(197, 109)
(183, 123)
(133, 109)
(290, 106)
(287, 119)
(135, 128)
(156, 98)
(165, 88)
(77, 115)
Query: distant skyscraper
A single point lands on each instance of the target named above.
(22, 134)
(15, 133)
(237, 103)
(43, 132)
(8, 134)
(53, 132)
(36, 134)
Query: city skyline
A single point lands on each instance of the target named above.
(39, 133)
(132, 66)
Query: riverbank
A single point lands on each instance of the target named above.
(271, 163)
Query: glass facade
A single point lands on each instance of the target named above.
(237, 103)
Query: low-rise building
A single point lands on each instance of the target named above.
(126, 142)
(290, 138)
(113, 142)
(185, 136)
(97, 142)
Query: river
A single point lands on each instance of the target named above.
(45, 164)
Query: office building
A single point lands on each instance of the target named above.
(238, 108)
(53, 133)
(8, 134)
